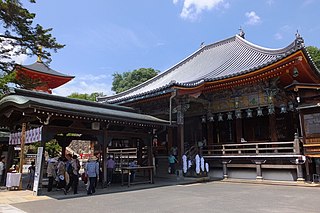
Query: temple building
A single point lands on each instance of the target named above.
(251, 111)
(36, 116)
(41, 76)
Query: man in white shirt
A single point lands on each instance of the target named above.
(2, 170)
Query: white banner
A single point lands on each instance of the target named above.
(32, 136)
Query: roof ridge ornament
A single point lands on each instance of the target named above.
(299, 42)
(241, 33)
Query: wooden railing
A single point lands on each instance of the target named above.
(248, 148)
(312, 149)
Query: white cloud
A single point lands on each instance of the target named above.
(175, 1)
(91, 77)
(278, 36)
(253, 18)
(193, 8)
(86, 84)
(18, 59)
(284, 30)
(270, 2)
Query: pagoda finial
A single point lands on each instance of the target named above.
(298, 34)
(39, 54)
(241, 33)
(299, 42)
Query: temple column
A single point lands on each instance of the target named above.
(180, 132)
(238, 130)
(170, 138)
(273, 127)
(181, 109)
(210, 133)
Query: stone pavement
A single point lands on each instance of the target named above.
(19, 196)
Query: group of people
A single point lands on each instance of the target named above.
(65, 171)
(198, 162)
(15, 169)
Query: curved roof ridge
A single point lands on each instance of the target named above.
(170, 69)
(44, 68)
(275, 51)
(219, 60)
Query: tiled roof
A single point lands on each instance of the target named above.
(24, 99)
(43, 68)
(228, 58)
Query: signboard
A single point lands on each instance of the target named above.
(312, 123)
(38, 171)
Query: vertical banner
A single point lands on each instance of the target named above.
(38, 171)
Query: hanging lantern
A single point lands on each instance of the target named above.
(203, 119)
(249, 113)
(238, 114)
(229, 116)
(295, 72)
(259, 111)
(220, 117)
(270, 109)
(210, 117)
(236, 102)
(283, 108)
(290, 105)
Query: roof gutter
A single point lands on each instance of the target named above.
(174, 94)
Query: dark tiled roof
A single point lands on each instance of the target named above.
(43, 68)
(37, 100)
(228, 58)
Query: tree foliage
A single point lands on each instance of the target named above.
(20, 36)
(127, 80)
(89, 97)
(315, 55)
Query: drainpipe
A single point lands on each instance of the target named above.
(174, 94)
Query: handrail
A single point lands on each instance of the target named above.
(259, 148)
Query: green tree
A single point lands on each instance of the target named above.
(85, 96)
(315, 55)
(127, 80)
(19, 35)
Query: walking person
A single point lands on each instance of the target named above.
(172, 161)
(110, 164)
(69, 171)
(73, 171)
(31, 170)
(92, 172)
(2, 170)
(61, 170)
(51, 172)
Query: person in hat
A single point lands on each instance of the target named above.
(92, 172)
(110, 164)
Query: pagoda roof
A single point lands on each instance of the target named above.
(225, 59)
(43, 68)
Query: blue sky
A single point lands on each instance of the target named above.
(108, 36)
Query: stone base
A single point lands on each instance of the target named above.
(259, 178)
